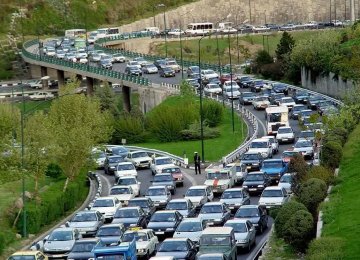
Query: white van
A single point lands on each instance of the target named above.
(152, 29)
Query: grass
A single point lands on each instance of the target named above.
(278, 249)
(31, 106)
(341, 213)
(214, 149)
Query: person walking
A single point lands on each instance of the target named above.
(197, 161)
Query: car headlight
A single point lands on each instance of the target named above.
(245, 186)
(137, 163)
(169, 186)
(112, 167)
(218, 219)
(91, 258)
(74, 259)
(46, 248)
(162, 201)
(170, 229)
(261, 186)
(237, 204)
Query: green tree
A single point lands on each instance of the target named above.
(107, 99)
(285, 45)
(299, 167)
(312, 193)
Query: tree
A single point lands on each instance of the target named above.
(77, 124)
(107, 99)
(312, 192)
(299, 167)
(262, 58)
(285, 45)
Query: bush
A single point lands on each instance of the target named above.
(319, 248)
(2, 243)
(331, 154)
(340, 133)
(298, 166)
(129, 127)
(284, 214)
(194, 132)
(54, 171)
(312, 192)
(298, 230)
(213, 113)
(273, 71)
(322, 173)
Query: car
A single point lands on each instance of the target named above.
(158, 163)
(252, 161)
(207, 74)
(261, 28)
(165, 222)
(287, 155)
(179, 248)
(235, 197)
(328, 111)
(116, 150)
(87, 222)
(215, 81)
(160, 195)
(28, 254)
(255, 214)
(304, 116)
(130, 181)
(110, 233)
(232, 91)
(313, 101)
(228, 77)
(176, 32)
(256, 182)
(42, 96)
(193, 72)
(240, 171)
(160, 63)
(107, 206)
(176, 173)
(244, 81)
(146, 241)
(305, 147)
(193, 82)
(274, 168)
(60, 241)
(165, 179)
(95, 57)
(286, 182)
(131, 217)
(50, 51)
(288, 102)
(99, 157)
(199, 195)
(260, 102)
(215, 213)
(139, 158)
(246, 98)
(183, 206)
(133, 70)
(308, 135)
(82, 249)
(285, 134)
(133, 63)
(70, 56)
(301, 97)
(173, 64)
(295, 111)
(245, 233)
(124, 169)
(191, 228)
(257, 85)
(280, 88)
(273, 197)
(106, 62)
(261, 146)
(145, 203)
(117, 57)
(60, 54)
(212, 88)
(150, 69)
(111, 162)
(166, 72)
(275, 98)
(288, 27)
(122, 193)
(274, 143)
(141, 61)
(212, 256)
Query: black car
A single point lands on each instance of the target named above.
(257, 85)
(255, 214)
(166, 72)
(82, 249)
(131, 217)
(165, 222)
(179, 248)
(280, 88)
(133, 71)
(301, 97)
(193, 72)
(160, 63)
(256, 182)
(295, 111)
(145, 203)
(111, 162)
(252, 161)
(275, 98)
(244, 81)
(193, 82)
(313, 101)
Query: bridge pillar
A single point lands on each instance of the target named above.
(79, 77)
(44, 73)
(89, 86)
(60, 77)
(126, 98)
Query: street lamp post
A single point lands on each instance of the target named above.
(201, 104)
(165, 33)
(181, 48)
(231, 82)
(154, 15)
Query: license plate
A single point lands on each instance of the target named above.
(285, 139)
(231, 207)
(210, 223)
(156, 204)
(159, 232)
(252, 189)
(248, 167)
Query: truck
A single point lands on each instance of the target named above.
(220, 179)
(276, 116)
(116, 251)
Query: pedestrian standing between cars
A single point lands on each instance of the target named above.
(197, 161)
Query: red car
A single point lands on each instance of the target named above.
(176, 173)
(227, 77)
(288, 154)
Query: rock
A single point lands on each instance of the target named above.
(28, 195)
(19, 203)
(31, 235)
(18, 236)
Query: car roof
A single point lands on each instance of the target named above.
(251, 206)
(142, 198)
(125, 208)
(138, 230)
(217, 230)
(259, 140)
(64, 229)
(26, 252)
(198, 187)
(258, 172)
(112, 225)
(165, 211)
(192, 220)
(157, 187)
(105, 198)
(273, 160)
(87, 239)
(234, 189)
(212, 203)
(137, 151)
(273, 188)
(120, 186)
(125, 163)
(127, 177)
(163, 173)
(179, 200)
(236, 221)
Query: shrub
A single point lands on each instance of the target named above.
(319, 248)
(331, 154)
(298, 166)
(298, 230)
(213, 113)
(312, 192)
(272, 70)
(194, 132)
(2, 242)
(322, 173)
(54, 171)
(341, 133)
(129, 127)
(285, 212)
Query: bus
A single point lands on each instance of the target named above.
(194, 29)
(276, 116)
(75, 33)
(107, 32)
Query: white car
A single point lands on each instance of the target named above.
(160, 195)
(311, 24)
(216, 213)
(240, 169)
(42, 96)
(118, 58)
(106, 206)
(159, 163)
(286, 182)
(235, 197)
(139, 158)
(232, 92)
(83, 60)
(122, 193)
(212, 88)
(260, 103)
(60, 242)
(125, 169)
(208, 74)
(244, 231)
(134, 63)
(273, 196)
(287, 101)
(50, 51)
(261, 28)
(305, 147)
(285, 134)
(273, 141)
(146, 241)
(132, 182)
(191, 228)
(176, 32)
(199, 195)
(261, 146)
(99, 157)
(36, 83)
(173, 64)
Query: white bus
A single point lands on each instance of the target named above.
(276, 116)
(194, 29)
(75, 33)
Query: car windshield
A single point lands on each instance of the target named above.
(238, 227)
(116, 191)
(119, 150)
(307, 134)
(209, 72)
(172, 63)
(272, 164)
(217, 175)
(286, 179)
(217, 240)
(83, 217)
(140, 203)
(189, 227)
(247, 213)
(22, 257)
(195, 192)
(286, 130)
(250, 156)
(163, 217)
(84, 246)
(243, 79)
(289, 154)
(176, 205)
(126, 213)
(115, 159)
(125, 167)
(261, 99)
(139, 237)
(156, 192)
(300, 144)
(162, 178)
(287, 100)
(194, 69)
(173, 246)
(150, 66)
(258, 82)
(139, 155)
(109, 231)
(305, 113)
(231, 195)
(167, 69)
(274, 117)
(298, 108)
(104, 203)
(206, 209)
(163, 161)
(259, 145)
(171, 170)
(254, 177)
(60, 236)
(213, 86)
(272, 193)
(126, 181)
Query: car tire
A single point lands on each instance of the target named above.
(147, 256)
(261, 230)
(248, 248)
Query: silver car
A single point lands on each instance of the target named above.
(60, 242)
(245, 233)
(235, 197)
(87, 222)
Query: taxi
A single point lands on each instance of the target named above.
(146, 241)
